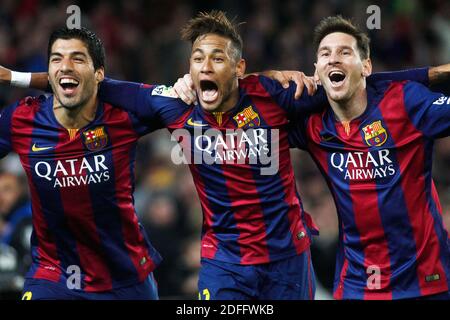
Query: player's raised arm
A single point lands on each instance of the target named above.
(184, 86)
(156, 103)
(429, 111)
(426, 76)
(37, 80)
(439, 74)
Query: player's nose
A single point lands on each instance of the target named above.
(207, 65)
(334, 58)
(66, 65)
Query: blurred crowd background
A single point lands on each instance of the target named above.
(142, 44)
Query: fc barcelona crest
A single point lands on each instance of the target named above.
(374, 134)
(95, 139)
(247, 117)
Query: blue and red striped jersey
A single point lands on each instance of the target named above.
(392, 242)
(81, 184)
(240, 163)
(248, 217)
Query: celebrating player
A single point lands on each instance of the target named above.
(256, 235)
(374, 146)
(76, 151)
(255, 238)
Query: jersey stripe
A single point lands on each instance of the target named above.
(123, 140)
(80, 218)
(22, 128)
(412, 159)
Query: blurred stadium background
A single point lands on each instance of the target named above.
(142, 44)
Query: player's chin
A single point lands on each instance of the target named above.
(210, 106)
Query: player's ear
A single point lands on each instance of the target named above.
(316, 75)
(240, 68)
(367, 67)
(99, 74)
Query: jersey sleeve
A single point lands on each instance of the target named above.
(418, 75)
(297, 133)
(5, 129)
(429, 111)
(151, 104)
(285, 98)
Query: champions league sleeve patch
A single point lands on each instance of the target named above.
(164, 91)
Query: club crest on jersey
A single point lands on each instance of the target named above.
(247, 117)
(95, 139)
(375, 134)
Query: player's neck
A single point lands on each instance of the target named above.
(347, 110)
(77, 117)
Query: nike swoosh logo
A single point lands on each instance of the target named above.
(34, 148)
(195, 124)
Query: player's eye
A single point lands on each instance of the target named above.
(55, 59)
(197, 59)
(219, 59)
(324, 54)
(78, 59)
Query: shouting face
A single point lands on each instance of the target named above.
(72, 75)
(339, 66)
(215, 69)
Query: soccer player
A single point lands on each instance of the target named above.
(78, 155)
(255, 238)
(374, 146)
(256, 235)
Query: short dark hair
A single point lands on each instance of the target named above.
(93, 43)
(339, 24)
(214, 22)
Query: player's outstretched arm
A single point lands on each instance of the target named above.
(184, 86)
(37, 80)
(439, 74)
(284, 76)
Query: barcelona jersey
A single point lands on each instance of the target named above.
(393, 244)
(252, 213)
(81, 184)
(240, 163)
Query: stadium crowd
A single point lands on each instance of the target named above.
(142, 44)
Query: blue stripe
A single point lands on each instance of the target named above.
(342, 196)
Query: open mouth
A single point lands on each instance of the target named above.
(336, 77)
(69, 85)
(209, 90)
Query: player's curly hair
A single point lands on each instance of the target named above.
(215, 22)
(93, 43)
(339, 24)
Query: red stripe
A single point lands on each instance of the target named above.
(209, 239)
(276, 118)
(367, 218)
(21, 135)
(80, 217)
(248, 213)
(122, 138)
(339, 293)
(411, 157)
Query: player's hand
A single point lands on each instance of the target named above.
(5, 75)
(300, 79)
(184, 87)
